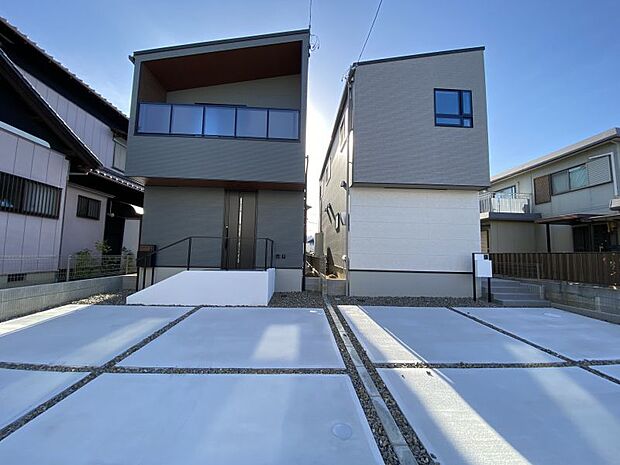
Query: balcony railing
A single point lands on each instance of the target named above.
(218, 121)
(496, 202)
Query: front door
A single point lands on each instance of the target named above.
(239, 244)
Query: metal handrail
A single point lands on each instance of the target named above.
(141, 261)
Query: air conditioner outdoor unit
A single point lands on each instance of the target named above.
(614, 204)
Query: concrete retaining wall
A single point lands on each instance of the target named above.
(20, 301)
(598, 302)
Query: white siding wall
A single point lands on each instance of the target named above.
(413, 229)
(81, 233)
(22, 235)
(94, 133)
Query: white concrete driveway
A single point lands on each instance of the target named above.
(503, 387)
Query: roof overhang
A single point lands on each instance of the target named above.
(77, 150)
(570, 219)
(103, 180)
(501, 216)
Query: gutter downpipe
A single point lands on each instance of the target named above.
(349, 179)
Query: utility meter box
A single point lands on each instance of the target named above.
(483, 266)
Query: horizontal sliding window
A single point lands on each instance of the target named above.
(88, 208)
(569, 180)
(28, 197)
(218, 121)
(453, 108)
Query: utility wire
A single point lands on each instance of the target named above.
(310, 16)
(370, 30)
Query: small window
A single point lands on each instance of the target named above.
(120, 155)
(342, 134)
(88, 208)
(453, 108)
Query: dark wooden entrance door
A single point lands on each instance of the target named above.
(239, 244)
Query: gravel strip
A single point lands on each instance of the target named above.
(385, 447)
(42, 367)
(32, 414)
(413, 441)
(412, 301)
(227, 371)
(474, 365)
(305, 299)
(112, 298)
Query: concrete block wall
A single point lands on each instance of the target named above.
(20, 301)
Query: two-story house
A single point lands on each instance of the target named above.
(400, 180)
(566, 201)
(62, 182)
(217, 135)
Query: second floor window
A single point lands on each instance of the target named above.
(120, 155)
(88, 208)
(453, 108)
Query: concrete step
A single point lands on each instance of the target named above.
(522, 303)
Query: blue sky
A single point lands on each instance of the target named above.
(552, 66)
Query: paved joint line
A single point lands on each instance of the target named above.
(403, 439)
(96, 372)
(583, 364)
(437, 365)
(227, 371)
(44, 367)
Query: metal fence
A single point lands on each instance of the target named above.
(85, 265)
(602, 268)
(19, 271)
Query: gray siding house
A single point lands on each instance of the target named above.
(217, 135)
(400, 181)
(566, 201)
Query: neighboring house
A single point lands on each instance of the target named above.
(399, 185)
(566, 201)
(62, 186)
(217, 134)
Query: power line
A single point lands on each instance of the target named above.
(370, 30)
(310, 15)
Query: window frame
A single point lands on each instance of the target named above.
(25, 196)
(567, 171)
(114, 160)
(86, 214)
(461, 116)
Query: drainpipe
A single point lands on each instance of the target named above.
(349, 175)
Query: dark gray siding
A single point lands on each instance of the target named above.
(281, 218)
(396, 141)
(172, 213)
(215, 159)
(334, 235)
